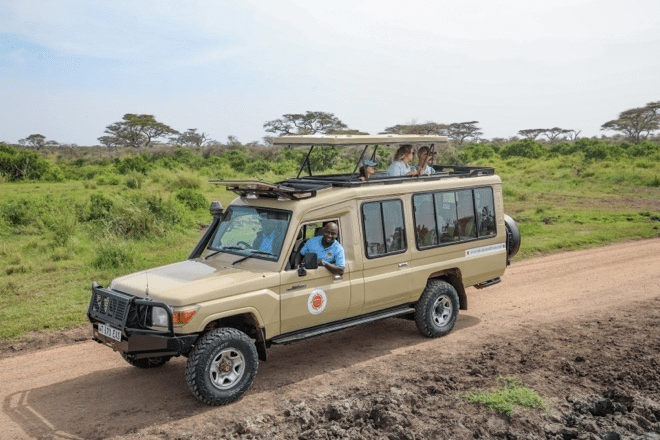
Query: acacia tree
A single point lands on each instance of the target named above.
(554, 132)
(572, 135)
(135, 131)
(532, 133)
(461, 131)
(308, 123)
(458, 131)
(191, 138)
(427, 128)
(36, 141)
(636, 123)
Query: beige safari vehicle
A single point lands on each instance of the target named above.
(411, 245)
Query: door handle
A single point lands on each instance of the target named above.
(403, 264)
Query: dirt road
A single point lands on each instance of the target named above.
(573, 326)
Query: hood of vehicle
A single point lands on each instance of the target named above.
(191, 282)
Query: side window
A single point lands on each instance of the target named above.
(445, 205)
(384, 230)
(483, 202)
(467, 227)
(307, 231)
(452, 216)
(426, 227)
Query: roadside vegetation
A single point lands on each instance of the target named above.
(508, 395)
(70, 216)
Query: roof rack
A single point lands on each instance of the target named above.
(306, 187)
(254, 188)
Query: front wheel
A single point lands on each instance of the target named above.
(222, 366)
(437, 310)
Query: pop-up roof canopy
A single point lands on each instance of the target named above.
(345, 140)
(348, 139)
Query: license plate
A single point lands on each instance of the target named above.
(110, 332)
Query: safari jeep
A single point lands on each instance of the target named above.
(412, 245)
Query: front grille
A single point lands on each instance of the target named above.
(109, 306)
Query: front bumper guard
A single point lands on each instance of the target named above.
(123, 312)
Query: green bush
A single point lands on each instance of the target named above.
(21, 164)
(114, 255)
(132, 163)
(192, 198)
(473, 152)
(643, 149)
(142, 218)
(236, 159)
(257, 168)
(187, 180)
(99, 208)
(523, 148)
(17, 212)
(53, 174)
(134, 180)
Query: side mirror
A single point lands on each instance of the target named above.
(311, 261)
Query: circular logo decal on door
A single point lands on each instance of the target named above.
(316, 302)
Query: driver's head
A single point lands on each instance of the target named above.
(330, 233)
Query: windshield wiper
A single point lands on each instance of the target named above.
(254, 251)
(223, 249)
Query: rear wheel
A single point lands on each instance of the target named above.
(222, 366)
(437, 310)
(152, 362)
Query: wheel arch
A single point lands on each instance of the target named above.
(244, 320)
(455, 278)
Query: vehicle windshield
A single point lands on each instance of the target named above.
(251, 232)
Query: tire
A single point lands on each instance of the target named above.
(221, 366)
(512, 237)
(145, 363)
(437, 309)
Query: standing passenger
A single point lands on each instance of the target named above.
(399, 166)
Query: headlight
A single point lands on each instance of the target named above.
(159, 317)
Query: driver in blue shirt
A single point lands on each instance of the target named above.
(329, 252)
(266, 236)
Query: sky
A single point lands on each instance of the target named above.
(69, 68)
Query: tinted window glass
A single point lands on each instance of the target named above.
(425, 224)
(373, 229)
(467, 227)
(445, 205)
(483, 202)
(394, 231)
(383, 228)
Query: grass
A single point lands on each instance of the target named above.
(58, 237)
(508, 395)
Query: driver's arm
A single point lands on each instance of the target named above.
(332, 268)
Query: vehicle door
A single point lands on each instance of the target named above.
(387, 271)
(317, 297)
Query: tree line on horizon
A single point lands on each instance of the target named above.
(142, 130)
